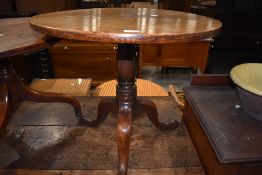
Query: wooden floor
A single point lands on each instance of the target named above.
(48, 140)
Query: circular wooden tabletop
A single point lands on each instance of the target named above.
(17, 37)
(127, 25)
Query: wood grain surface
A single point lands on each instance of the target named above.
(49, 140)
(127, 25)
(16, 37)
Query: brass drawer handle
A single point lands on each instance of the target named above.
(107, 58)
(66, 48)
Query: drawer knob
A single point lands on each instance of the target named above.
(66, 48)
(115, 47)
(107, 58)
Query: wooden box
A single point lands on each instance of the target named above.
(227, 140)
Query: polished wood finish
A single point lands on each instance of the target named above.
(226, 139)
(189, 54)
(78, 59)
(127, 25)
(50, 141)
(17, 38)
(211, 80)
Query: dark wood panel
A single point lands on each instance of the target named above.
(211, 79)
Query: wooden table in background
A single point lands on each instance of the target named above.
(18, 38)
(127, 27)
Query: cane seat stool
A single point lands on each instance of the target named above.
(73, 87)
(144, 88)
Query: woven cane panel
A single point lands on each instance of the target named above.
(144, 88)
(74, 87)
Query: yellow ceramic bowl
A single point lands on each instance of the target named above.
(248, 78)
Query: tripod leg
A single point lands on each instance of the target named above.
(148, 107)
(105, 106)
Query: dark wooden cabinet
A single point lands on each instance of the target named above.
(76, 59)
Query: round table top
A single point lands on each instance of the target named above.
(127, 25)
(17, 37)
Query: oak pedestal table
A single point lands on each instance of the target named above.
(126, 27)
(17, 38)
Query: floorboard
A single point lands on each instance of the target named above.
(50, 141)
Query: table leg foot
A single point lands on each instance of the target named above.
(123, 136)
(148, 107)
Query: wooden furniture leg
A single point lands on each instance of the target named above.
(148, 107)
(14, 91)
(126, 105)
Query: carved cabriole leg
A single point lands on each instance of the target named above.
(123, 136)
(18, 92)
(105, 106)
(125, 98)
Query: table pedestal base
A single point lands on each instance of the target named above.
(13, 91)
(126, 105)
